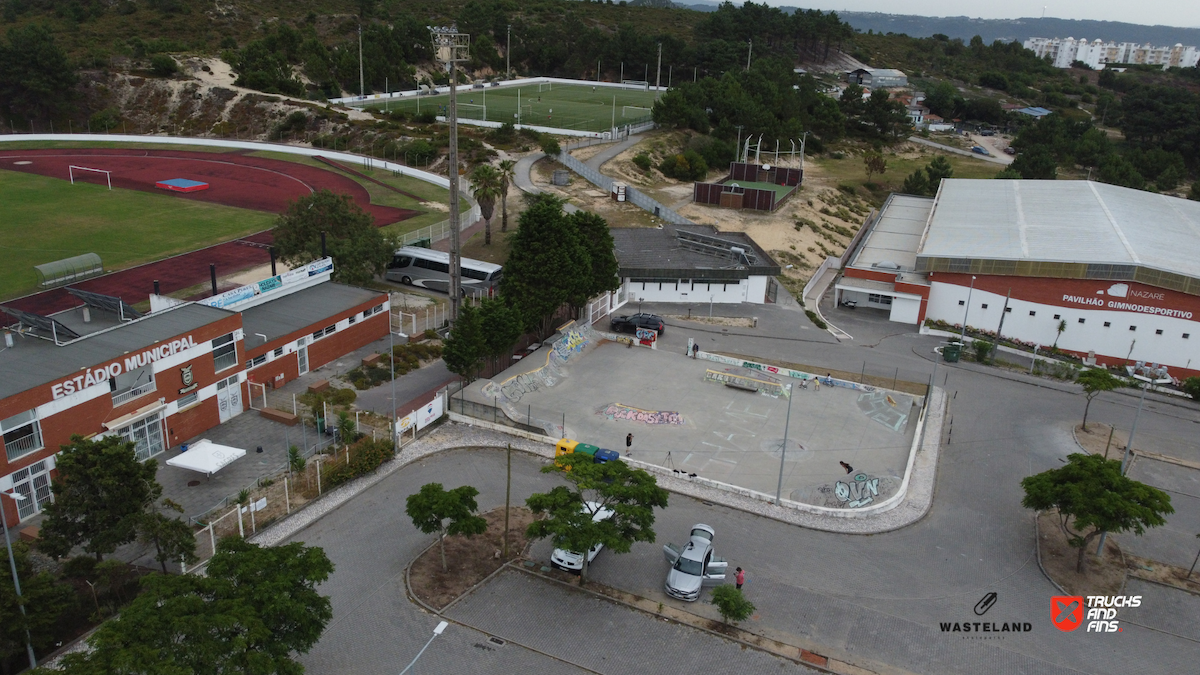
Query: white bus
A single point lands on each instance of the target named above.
(426, 268)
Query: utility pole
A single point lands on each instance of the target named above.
(749, 51)
(739, 140)
(507, 494)
(451, 47)
(362, 89)
(507, 52)
(1000, 328)
(658, 69)
(783, 448)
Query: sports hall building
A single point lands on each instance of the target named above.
(1108, 272)
(104, 369)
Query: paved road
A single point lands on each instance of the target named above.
(598, 160)
(1003, 159)
(994, 145)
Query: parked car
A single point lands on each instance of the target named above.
(570, 561)
(630, 324)
(987, 132)
(1010, 151)
(979, 149)
(693, 565)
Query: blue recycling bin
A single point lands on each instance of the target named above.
(604, 455)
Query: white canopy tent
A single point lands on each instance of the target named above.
(206, 457)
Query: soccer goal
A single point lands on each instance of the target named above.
(545, 86)
(636, 84)
(71, 169)
(472, 111)
(634, 111)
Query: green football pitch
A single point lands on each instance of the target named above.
(564, 106)
(48, 219)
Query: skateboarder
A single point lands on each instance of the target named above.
(628, 444)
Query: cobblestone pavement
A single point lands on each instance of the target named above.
(1163, 608)
(606, 637)
(1174, 543)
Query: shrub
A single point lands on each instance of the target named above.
(812, 316)
(732, 604)
(163, 65)
(1191, 387)
(365, 457)
(642, 161)
(982, 349)
(80, 567)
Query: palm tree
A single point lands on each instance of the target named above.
(507, 175)
(485, 182)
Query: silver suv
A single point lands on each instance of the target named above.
(693, 565)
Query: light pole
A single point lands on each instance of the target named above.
(507, 52)
(966, 310)
(451, 47)
(436, 632)
(12, 563)
(783, 448)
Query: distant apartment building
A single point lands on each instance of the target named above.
(1097, 53)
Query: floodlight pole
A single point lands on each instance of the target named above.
(967, 310)
(362, 89)
(451, 47)
(749, 51)
(12, 563)
(658, 69)
(507, 52)
(783, 448)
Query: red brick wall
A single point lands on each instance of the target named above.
(857, 273)
(193, 421)
(286, 365)
(342, 342)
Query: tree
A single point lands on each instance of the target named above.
(1008, 173)
(485, 183)
(36, 80)
(938, 169)
(603, 272)
(501, 328)
(549, 145)
(1094, 382)
(545, 264)
(45, 601)
(1035, 164)
(874, 163)
(732, 604)
(507, 175)
(1062, 327)
(100, 495)
(1194, 192)
(632, 495)
(359, 249)
(1093, 497)
(886, 114)
(916, 184)
(446, 512)
(172, 538)
(163, 65)
(466, 346)
(250, 613)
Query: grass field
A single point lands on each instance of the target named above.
(564, 106)
(47, 219)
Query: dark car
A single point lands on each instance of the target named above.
(630, 324)
(1010, 150)
(987, 132)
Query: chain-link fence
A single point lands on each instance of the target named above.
(632, 194)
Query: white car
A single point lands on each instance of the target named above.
(571, 561)
(693, 565)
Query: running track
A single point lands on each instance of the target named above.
(234, 180)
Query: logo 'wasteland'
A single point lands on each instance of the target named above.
(981, 630)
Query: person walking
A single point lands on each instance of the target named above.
(816, 384)
(628, 444)
(695, 349)
(740, 577)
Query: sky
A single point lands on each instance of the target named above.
(1183, 13)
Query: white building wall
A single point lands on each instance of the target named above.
(751, 290)
(1114, 341)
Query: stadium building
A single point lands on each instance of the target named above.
(1105, 272)
(104, 369)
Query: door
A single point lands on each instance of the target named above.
(714, 570)
(229, 399)
(302, 355)
(672, 552)
(34, 483)
(146, 435)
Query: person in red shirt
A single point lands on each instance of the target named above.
(740, 577)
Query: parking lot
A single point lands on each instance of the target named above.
(680, 419)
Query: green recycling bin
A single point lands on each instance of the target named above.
(321, 422)
(951, 352)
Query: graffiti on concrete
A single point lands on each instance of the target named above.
(855, 492)
(858, 492)
(772, 388)
(571, 343)
(889, 409)
(617, 411)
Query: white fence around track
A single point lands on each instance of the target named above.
(353, 101)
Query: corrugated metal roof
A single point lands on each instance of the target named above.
(301, 309)
(1064, 221)
(896, 234)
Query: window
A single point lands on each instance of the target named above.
(469, 273)
(961, 303)
(34, 483)
(256, 361)
(1057, 317)
(1081, 320)
(1158, 332)
(1107, 324)
(185, 401)
(1187, 335)
(376, 309)
(879, 299)
(400, 262)
(328, 330)
(985, 305)
(224, 352)
(146, 436)
(1032, 313)
(1133, 328)
(22, 434)
(1008, 309)
(353, 318)
(278, 352)
(128, 386)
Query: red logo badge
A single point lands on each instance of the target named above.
(1066, 612)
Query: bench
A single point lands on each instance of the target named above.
(279, 416)
(743, 387)
(371, 360)
(318, 386)
(30, 533)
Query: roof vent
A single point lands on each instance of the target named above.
(886, 265)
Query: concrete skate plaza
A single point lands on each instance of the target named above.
(726, 434)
